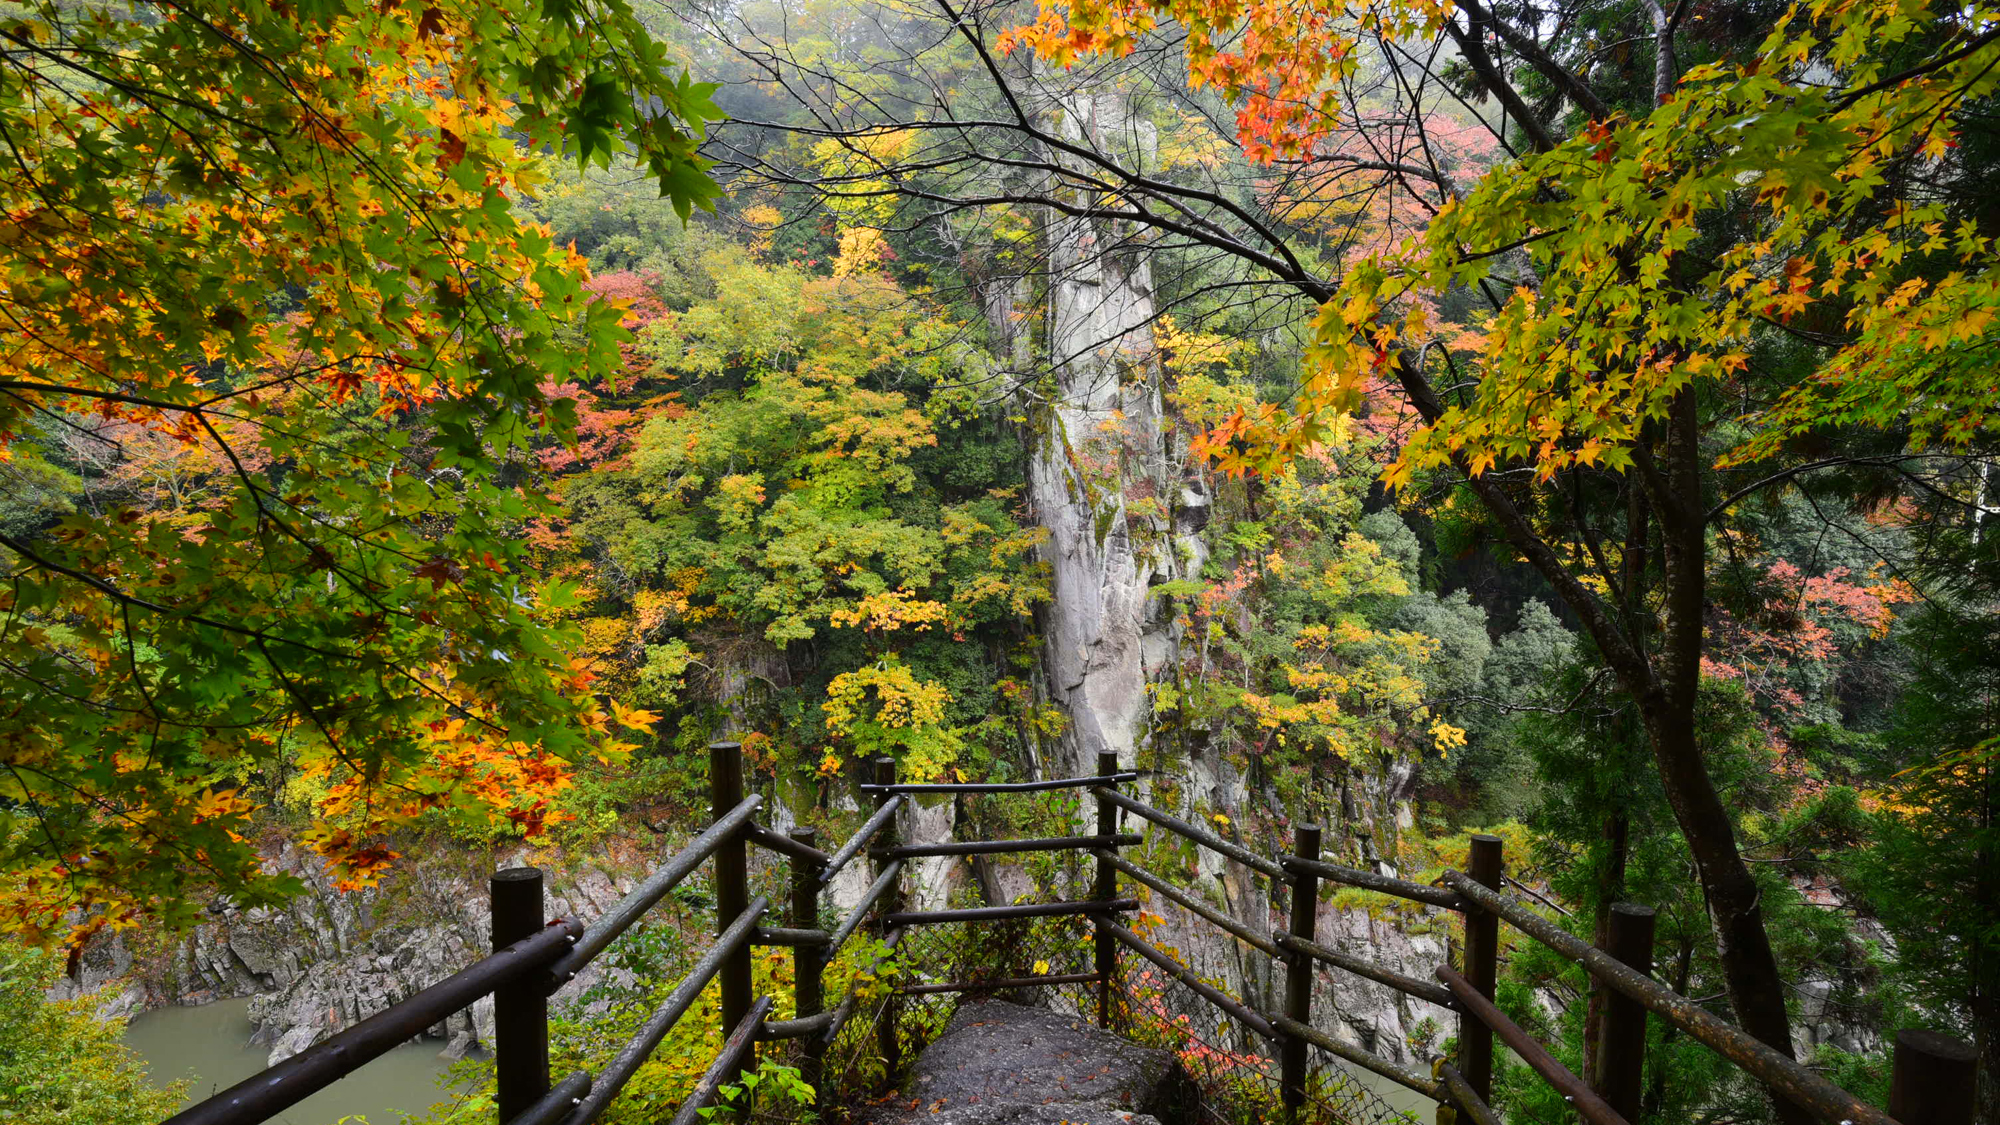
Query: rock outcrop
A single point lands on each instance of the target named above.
(1004, 1064)
(331, 958)
(1101, 478)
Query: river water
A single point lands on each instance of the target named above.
(1387, 1094)
(210, 1046)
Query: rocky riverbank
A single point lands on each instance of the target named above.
(331, 958)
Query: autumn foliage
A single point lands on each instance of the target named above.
(1623, 315)
(264, 259)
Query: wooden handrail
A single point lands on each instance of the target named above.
(1201, 836)
(881, 888)
(742, 1040)
(272, 1091)
(1236, 1009)
(647, 894)
(846, 1009)
(1193, 905)
(559, 1102)
(1464, 1097)
(1367, 1060)
(784, 845)
(1004, 913)
(1005, 847)
(641, 1046)
(1003, 984)
(1368, 970)
(1370, 881)
(1593, 1108)
(544, 959)
(874, 824)
(1002, 786)
(791, 937)
(1785, 1076)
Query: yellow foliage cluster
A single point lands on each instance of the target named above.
(889, 611)
(901, 700)
(884, 708)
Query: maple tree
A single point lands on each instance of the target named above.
(273, 249)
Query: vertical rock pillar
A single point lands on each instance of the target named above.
(1101, 480)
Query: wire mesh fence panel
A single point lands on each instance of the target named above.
(941, 966)
(1340, 1093)
(854, 1070)
(1233, 1070)
(930, 958)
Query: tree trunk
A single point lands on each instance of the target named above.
(1667, 708)
(1985, 999)
(1665, 685)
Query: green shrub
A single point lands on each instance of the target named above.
(59, 1063)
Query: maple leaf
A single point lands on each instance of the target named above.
(451, 151)
(440, 570)
(269, 460)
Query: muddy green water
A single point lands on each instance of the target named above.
(210, 1046)
(1395, 1097)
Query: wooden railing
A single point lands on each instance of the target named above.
(1933, 1076)
(535, 957)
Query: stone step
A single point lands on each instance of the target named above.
(1005, 1064)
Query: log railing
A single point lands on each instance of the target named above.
(534, 957)
(1943, 1096)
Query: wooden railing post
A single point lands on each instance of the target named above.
(1299, 971)
(521, 1006)
(1482, 967)
(1621, 1031)
(808, 961)
(1104, 890)
(887, 1042)
(1933, 1079)
(732, 877)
